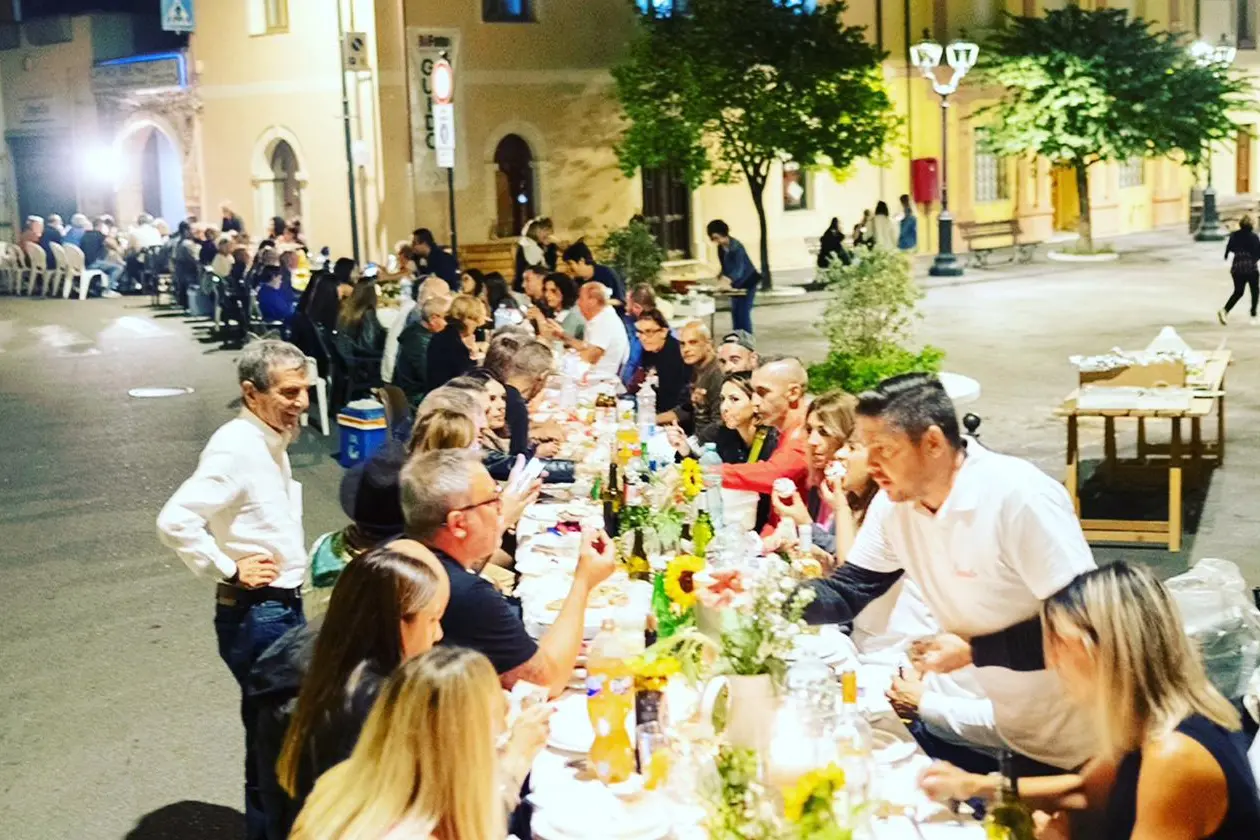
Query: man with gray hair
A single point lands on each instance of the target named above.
(607, 347)
(238, 521)
(409, 370)
(451, 505)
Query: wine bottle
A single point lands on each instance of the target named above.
(1008, 818)
(638, 566)
(611, 497)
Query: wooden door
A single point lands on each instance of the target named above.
(1242, 160)
(667, 210)
(1067, 205)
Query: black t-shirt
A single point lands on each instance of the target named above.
(672, 373)
(478, 617)
(516, 416)
(93, 246)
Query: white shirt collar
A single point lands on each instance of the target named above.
(277, 442)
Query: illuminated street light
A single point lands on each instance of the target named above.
(960, 56)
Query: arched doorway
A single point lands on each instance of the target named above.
(514, 185)
(284, 170)
(152, 175)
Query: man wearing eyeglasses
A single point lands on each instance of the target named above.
(451, 505)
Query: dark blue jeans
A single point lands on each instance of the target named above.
(245, 631)
(741, 310)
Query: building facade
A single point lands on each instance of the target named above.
(259, 111)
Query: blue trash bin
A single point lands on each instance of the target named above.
(363, 431)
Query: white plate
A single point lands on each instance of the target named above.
(889, 749)
(830, 645)
(602, 816)
(571, 729)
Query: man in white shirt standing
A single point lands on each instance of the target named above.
(985, 537)
(238, 521)
(607, 347)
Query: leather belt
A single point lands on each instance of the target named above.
(228, 595)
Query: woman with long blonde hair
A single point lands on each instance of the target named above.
(1171, 764)
(451, 351)
(425, 765)
(442, 428)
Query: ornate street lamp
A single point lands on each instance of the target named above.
(960, 56)
(1221, 54)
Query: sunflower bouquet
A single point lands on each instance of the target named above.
(810, 806)
(674, 594)
(692, 478)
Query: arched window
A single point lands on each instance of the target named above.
(514, 185)
(284, 169)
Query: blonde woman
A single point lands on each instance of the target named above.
(442, 428)
(426, 766)
(1171, 764)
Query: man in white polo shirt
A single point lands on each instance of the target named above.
(607, 347)
(986, 537)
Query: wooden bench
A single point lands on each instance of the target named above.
(971, 232)
(486, 257)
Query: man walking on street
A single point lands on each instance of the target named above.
(238, 521)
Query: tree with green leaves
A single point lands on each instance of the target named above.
(1083, 87)
(726, 88)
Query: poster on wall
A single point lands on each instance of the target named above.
(425, 47)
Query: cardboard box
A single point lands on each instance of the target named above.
(1167, 374)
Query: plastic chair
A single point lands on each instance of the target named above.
(10, 267)
(36, 268)
(321, 385)
(79, 272)
(59, 274)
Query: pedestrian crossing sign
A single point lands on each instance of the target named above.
(177, 15)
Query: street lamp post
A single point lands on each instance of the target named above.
(1221, 54)
(961, 56)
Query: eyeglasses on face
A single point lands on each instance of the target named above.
(648, 333)
(495, 500)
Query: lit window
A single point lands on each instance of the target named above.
(990, 174)
(795, 192)
(662, 8)
(507, 11)
(1132, 173)
(806, 6)
(268, 17)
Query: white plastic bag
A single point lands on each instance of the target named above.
(1220, 617)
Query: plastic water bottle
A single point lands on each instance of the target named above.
(647, 401)
(709, 457)
(404, 287)
(506, 316)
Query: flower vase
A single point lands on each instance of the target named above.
(750, 709)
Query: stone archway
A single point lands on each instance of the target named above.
(279, 178)
(154, 170)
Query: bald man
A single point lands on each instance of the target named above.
(779, 401)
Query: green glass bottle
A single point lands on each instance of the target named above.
(702, 530)
(1008, 818)
(638, 566)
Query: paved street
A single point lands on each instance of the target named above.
(118, 718)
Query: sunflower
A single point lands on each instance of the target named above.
(680, 583)
(817, 787)
(692, 478)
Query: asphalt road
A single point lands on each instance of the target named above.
(118, 719)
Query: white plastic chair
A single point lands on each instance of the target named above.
(322, 384)
(59, 274)
(36, 270)
(10, 267)
(79, 272)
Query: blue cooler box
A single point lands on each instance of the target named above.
(363, 431)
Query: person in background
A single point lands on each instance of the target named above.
(451, 505)
(292, 237)
(605, 345)
(209, 246)
(737, 271)
(436, 259)
(497, 294)
(907, 227)
(1245, 270)
(472, 282)
(32, 231)
(222, 262)
(862, 232)
(442, 428)
(779, 401)
(79, 225)
(535, 247)
(402, 782)
(830, 422)
(450, 352)
(738, 352)
(1170, 761)
(831, 244)
(560, 295)
(96, 257)
(52, 233)
(882, 233)
(411, 366)
(531, 294)
(662, 356)
(581, 265)
(525, 375)
(240, 263)
(641, 298)
(315, 689)
(276, 301)
(360, 338)
(275, 228)
(699, 412)
(986, 537)
(237, 521)
(232, 222)
(495, 437)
